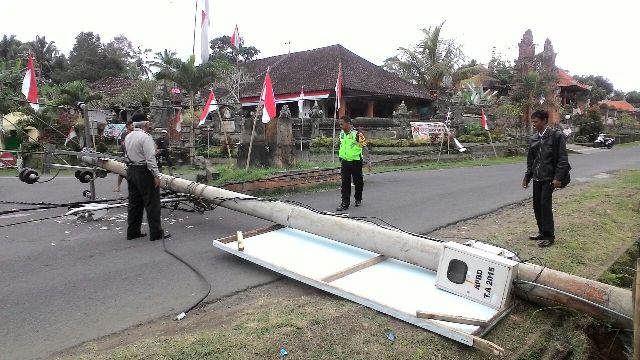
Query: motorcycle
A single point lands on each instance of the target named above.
(603, 141)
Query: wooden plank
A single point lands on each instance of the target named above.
(481, 344)
(487, 346)
(430, 325)
(451, 318)
(250, 233)
(355, 268)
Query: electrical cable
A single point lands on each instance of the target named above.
(32, 221)
(575, 297)
(202, 278)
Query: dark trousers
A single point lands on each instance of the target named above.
(542, 201)
(163, 158)
(351, 170)
(143, 195)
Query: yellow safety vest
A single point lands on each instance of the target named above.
(350, 148)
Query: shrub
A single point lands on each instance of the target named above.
(590, 125)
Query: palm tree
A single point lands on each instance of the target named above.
(74, 92)
(9, 47)
(191, 78)
(44, 53)
(142, 64)
(165, 60)
(429, 62)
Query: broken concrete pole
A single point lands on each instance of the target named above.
(599, 300)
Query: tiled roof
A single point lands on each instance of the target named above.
(565, 80)
(620, 105)
(111, 86)
(317, 69)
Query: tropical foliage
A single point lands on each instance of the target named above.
(429, 62)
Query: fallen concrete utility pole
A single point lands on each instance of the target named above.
(535, 283)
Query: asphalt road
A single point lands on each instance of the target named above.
(93, 282)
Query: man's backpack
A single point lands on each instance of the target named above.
(556, 150)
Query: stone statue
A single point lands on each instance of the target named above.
(316, 112)
(284, 112)
(402, 112)
(226, 113)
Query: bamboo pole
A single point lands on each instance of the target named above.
(544, 285)
(493, 146)
(636, 312)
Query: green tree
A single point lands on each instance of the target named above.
(10, 80)
(589, 124)
(74, 92)
(617, 95)
(165, 61)
(44, 54)
(534, 90)
(59, 68)
(627, 121)
(633, 97)
(9, 47)
(601, 87)
(134, 58)
(88, 60)
(191, 78)
(222, 49)
(429, 62)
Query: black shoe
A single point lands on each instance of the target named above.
(545, 243)
(536, 237)
(358, 203)
(141, 235)
(342, 207)
(166, 236)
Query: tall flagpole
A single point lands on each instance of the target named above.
(195, 26)
(335, 113)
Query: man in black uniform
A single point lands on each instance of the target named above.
(143, 179)
(164, 151)
(548, 166)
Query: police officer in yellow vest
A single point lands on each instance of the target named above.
(353, 146)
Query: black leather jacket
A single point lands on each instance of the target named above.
(547, 159)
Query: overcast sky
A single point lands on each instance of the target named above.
(590, 37)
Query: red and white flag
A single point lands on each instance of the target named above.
(235, 38)
(178, 120)
(204, 33)
(339, 87)
(211, 105)
(71, 135)
(268, 100)
(29, 86)
(483, 121)
(301, 102)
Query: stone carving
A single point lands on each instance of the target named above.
(226, 113)
(402, 112)
(316, 112)
(285, 113)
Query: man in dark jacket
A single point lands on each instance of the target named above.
(547, 166)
